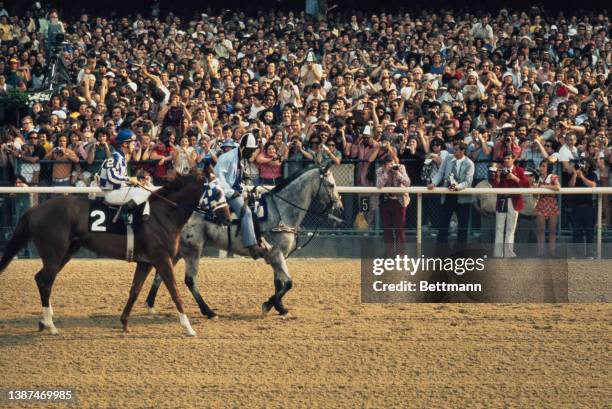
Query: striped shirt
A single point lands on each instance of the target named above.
(114, 172)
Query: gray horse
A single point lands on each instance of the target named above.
(287, 204)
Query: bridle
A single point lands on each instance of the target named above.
(330, 202)
(209, 204)
(282, 228)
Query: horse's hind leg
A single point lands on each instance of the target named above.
(166, 272)
(142, 270)
(157, 280)
(153, 293)
(45, 279)
(282, 284)
(191, 276)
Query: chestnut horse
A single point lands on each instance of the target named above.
(60, 226)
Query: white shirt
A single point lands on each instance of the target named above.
(566, 154)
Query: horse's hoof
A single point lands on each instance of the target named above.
(286, 315)
(42, 327)
(191, 333)
(151, 310)
(214, 317)
(265, 310)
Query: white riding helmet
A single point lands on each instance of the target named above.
(248, 141)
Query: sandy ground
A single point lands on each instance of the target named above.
(332, 352)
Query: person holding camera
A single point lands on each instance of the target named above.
(393, 206)
(323, 150)
(456, 173)
(582, 211)
(205, 156)
(508, 206)
(507, 144)
(183, 157)
(31, 153)
(63, 156)
(547, 209)
(99, 150)
(270, 165)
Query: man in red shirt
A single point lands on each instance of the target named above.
(508, 206)
(162, 153)
(507, 144)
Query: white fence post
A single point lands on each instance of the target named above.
(599, 223)
(419, 233)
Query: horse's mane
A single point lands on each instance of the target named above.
(174, 186)
(287, 181)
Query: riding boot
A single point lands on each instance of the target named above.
(146, 213)
(257, 251)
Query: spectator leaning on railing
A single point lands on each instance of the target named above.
(456, 173)
(62, 170)
(31, 153)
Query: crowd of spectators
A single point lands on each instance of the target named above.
(348, 85)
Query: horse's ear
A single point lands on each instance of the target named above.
(326, 168)
(171, 175)
(199, 175)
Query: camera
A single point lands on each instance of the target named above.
(508, 139)
(395, 166)
(580, 165)
(505, 172)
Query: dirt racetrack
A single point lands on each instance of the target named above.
(332, 352)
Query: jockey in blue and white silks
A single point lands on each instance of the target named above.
(115, 180)
(229, 171)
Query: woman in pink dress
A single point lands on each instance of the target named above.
(547, 208)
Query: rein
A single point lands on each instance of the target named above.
(308, 211)
(154, 193)
(290, 203)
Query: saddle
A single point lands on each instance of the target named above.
(112, 219)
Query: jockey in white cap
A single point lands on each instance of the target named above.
(229, 170)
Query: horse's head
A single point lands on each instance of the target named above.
(198, 188)
(213, 202)
(328, 192)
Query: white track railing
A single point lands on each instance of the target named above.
(365, 190)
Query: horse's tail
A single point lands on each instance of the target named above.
(20, 238)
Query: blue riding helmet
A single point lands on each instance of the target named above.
(124, 135)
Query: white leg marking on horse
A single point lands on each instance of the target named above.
(185, 323)
(47, 313)
(150, 310)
